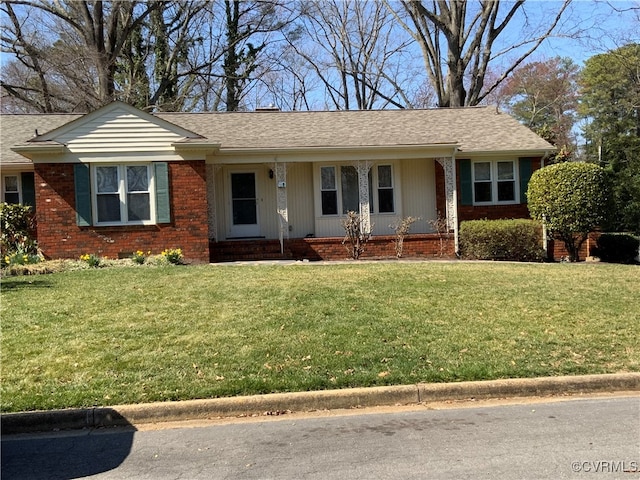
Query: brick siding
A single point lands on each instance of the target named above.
(331, 248)
(60, 237)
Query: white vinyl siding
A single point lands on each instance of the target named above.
(418, 193)
(119, 131)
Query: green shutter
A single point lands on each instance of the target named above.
(28, 189)
(525, 176)
(466, 186)
(83, 194)
(163, 207)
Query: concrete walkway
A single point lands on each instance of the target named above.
(422, 393)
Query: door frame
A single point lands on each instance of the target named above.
(248, 230)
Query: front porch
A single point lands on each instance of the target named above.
(428, 245)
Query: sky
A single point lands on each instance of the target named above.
(604, 25)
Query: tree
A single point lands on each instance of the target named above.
(543, 95)
(460, 41)
(353, 48)
(571, 199)
(100, 28)
(610, 104)
(237, 49)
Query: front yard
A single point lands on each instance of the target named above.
(140, 334)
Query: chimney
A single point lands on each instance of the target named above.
(269, 108)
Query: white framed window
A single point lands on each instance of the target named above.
(328, 190)
(340, 189)
(386, 203)
(123, 194)
(11, 189)
(494, 182)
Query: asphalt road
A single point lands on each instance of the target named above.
(576, 438)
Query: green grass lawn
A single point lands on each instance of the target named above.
(128, 335)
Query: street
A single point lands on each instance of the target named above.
(597, 437)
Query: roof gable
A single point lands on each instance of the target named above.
(116, 127)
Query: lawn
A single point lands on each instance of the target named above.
(140, 334)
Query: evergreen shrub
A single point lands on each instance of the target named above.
(617, 248)
(516, 240)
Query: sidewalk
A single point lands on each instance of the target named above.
(133, 415)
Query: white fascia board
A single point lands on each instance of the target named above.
(504, 154)
(323, 154)
(32, 151)
(143, 157)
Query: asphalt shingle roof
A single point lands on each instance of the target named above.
(475, 129)
(17, 129)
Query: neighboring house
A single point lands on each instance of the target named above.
(264, 184)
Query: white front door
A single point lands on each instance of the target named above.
(244, 205)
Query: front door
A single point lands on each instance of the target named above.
(244, 207)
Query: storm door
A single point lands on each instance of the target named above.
(244, 206)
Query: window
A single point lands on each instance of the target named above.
(329, 191)
(11, 188)
(123, 194)
(494, 182)
(344, 190)
(350, 189)
(385, 189)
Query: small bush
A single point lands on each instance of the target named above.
(139, 257)
(91, 259)
(17, 226)
(518, 240)
(617, 248)
(401, 229)
(173, 255)
(356, 236)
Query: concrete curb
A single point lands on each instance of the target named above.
(132, 415)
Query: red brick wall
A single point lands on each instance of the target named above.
(557, 251)
(331, 248)
(60, 237)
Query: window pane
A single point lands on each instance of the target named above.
(137, 179)
(482, 171)
(138, 208)
(329, 203)
(11, 197)
(107, 178)
(350, 190)
(243, 185)
(505, 171)
(482, 191)
(384, 176)
(385, 200)
(108, 208)
(506, 191)
(244, 212)
(328, 175)
(11, 183)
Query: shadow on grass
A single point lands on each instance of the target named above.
(68, 454)
(16, 283)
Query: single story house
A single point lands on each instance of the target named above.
(263, 184)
